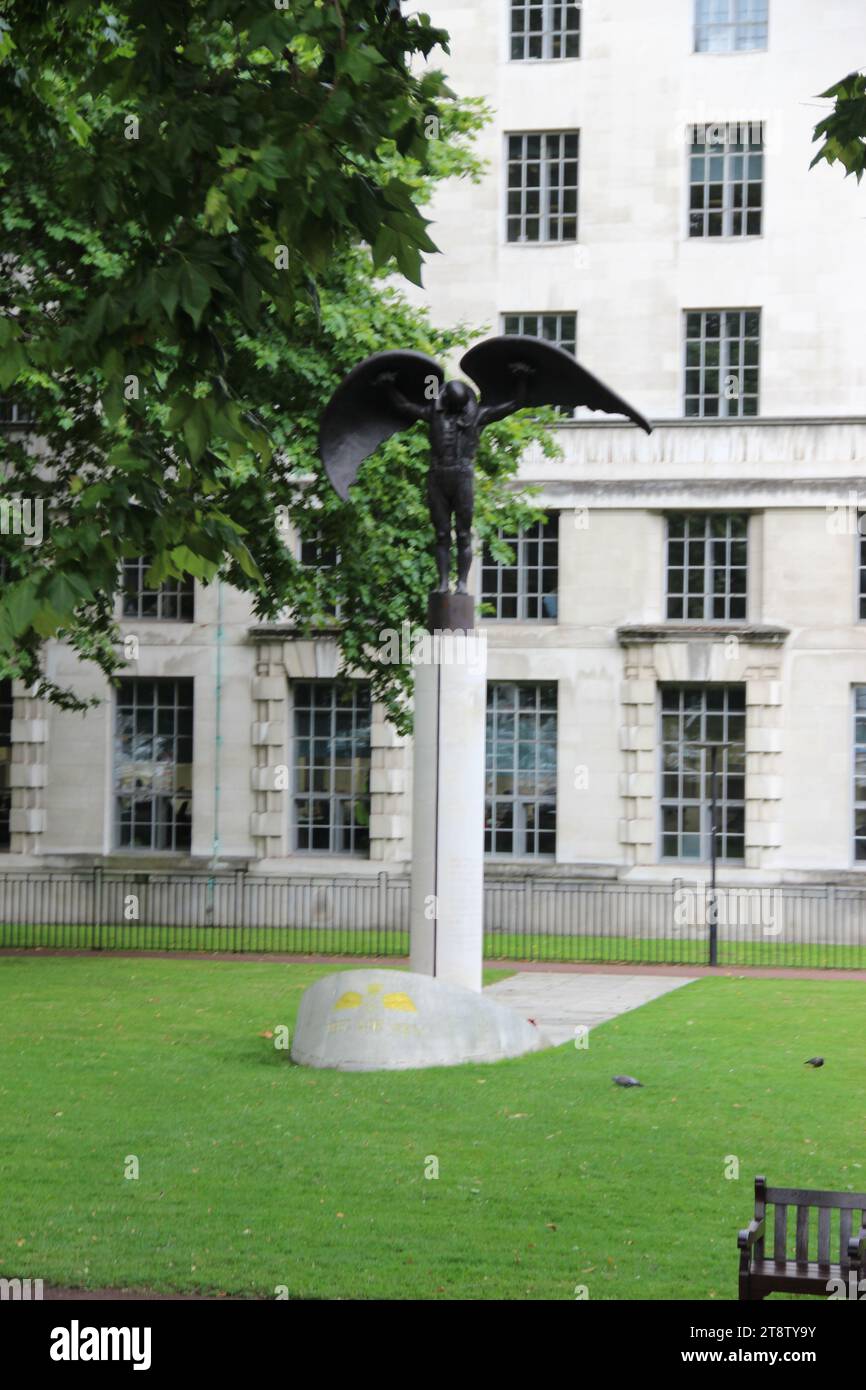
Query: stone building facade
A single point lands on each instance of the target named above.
(648, 203)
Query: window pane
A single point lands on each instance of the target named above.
(692, 716)
(542, 184)
(334, 797)
(521, 769)
(153, 775)
(712, 581)
(525, 589)
(173, 601)
(718, 343)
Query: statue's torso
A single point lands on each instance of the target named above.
(454, 440)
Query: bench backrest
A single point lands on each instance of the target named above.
(807, 1217)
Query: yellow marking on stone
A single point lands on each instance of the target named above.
(350, 1000)
(399, 1001)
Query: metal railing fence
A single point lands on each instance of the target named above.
(528, 918)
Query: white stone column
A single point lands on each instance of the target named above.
(447, 903)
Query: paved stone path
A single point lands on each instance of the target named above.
(560, 1003)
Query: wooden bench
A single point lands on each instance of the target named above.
(810, 1271)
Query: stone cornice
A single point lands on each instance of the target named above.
(642, 634)
(705, 451)
(646, 492)
(690, 422)
(281, 632)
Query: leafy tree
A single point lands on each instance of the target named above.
(188, 189)
(383, 536)
(843, 132)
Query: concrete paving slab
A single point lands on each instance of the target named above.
(561, 1003)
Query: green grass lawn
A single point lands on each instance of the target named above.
(772, 952)
(256, 1174)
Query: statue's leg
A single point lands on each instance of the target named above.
(465, 503)
(440, 514)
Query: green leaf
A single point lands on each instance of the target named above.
(168, 290)
(20, 603)
(191, 563)
(196, 430)
(12, 363)
(194, 293)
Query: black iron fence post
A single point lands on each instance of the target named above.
(97, 906)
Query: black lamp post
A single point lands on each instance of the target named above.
(712, 900)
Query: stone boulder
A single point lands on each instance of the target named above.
(393, 1020)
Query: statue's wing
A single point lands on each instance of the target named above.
(557, 379)
(360, 416)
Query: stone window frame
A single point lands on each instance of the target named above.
(705, 379)
(176, 594)
(558, 326)
(180, 744)
(530, 837)
(15, 412)
(710, 568)
(528, 575)
(314, 553)
(732, 19)
(340, 826)
(700, 802)
(551, 26)
(542, 172)
(722, 162)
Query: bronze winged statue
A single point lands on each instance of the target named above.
(392, 390)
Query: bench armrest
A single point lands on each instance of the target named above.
(752, 1233)
(857, 1248)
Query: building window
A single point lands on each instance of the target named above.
(560, 329)
(14, 412)
(542, 187)
(726, 171)
(860, 773)
(707, 565)
(544, 29)
(861, 564)
(692, 717)
(5, 763)
(524, 588)
(173, 600)
(153, 764)
(520, 810)
(730, 26)
(722, 361)
(318, 556)
(332, 767)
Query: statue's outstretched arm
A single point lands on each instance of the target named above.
(410, 410)
(489, 414)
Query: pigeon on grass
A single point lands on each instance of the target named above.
(814, 1062)
(627, 1081)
